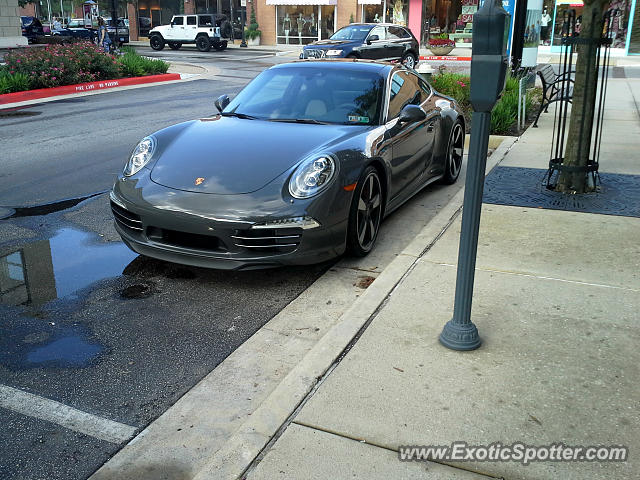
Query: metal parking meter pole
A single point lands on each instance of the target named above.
(243, 12)
(488, 76)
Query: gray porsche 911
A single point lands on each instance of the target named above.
(301, 166)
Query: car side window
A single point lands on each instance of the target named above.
(178, 21)
(205, 21)
(191, 20)
(404, 90)
(404, 33)
(394, 33)
(379, 31)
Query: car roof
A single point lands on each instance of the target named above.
(379, 68)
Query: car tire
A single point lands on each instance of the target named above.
(455, 154)
(156, 42)
(203, 43)
(220, 46)
(175, 45)
(410, 60)
(352, 55)
(365, 214)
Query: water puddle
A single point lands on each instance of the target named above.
(32, 343)
(59, 267)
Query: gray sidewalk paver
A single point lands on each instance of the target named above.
(349, 459)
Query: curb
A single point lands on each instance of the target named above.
(272, 417)
(27, 95)
(444, 58)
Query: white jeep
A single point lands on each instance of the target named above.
(204, 30)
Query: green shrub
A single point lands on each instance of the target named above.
(505, 113)
(17, 82)
(156, 67)
(253, 31)
(132, 65)
(457, 86)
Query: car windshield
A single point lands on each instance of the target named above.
(76, 23)
(311, 95)
(352, 32)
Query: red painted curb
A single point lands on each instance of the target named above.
(444, 58)
(85, 87)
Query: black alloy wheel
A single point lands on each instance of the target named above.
(455, 154)
(156, 42)
(366, 213)
(203, 43)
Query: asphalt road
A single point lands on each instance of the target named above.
(84, 321)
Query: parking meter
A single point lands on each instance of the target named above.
(488, 77)
(489, 60)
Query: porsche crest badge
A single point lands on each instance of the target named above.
(199, 180)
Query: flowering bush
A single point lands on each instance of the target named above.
(57, 65)
(441, 40)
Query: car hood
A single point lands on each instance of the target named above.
(225, 155)
(330, 43)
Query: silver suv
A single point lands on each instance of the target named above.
(203, 30)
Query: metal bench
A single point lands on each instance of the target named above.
(555, 88)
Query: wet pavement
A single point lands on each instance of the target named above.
(89, 323)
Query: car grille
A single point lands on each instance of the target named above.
(315, 53)
(276, 240)
(125, 218)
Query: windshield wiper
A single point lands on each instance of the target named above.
(299, 120)
(238, 115)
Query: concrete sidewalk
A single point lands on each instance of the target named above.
(556, 302)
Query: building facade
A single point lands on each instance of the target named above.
(10, 26)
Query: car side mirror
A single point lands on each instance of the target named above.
(372, 38)
(411, 114)
(171, 23)
(221, 102)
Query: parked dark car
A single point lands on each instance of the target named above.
(76, 29)
(300, 166)
(31, 28)
(123, 31)
(373, 41)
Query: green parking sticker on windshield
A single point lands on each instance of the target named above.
(356, 118)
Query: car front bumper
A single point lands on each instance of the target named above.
(182, 227)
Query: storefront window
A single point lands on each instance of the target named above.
(327, 21)
(397, 11)
(372, 13)
(617, 31)
(297, 24)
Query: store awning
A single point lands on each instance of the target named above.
(369, 2)
(302, 2)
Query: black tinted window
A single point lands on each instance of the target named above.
(395, 33)
(405, 90)
(205, 21)
(191, 20)
(178, 21)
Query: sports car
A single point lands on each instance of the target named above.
(301, 166)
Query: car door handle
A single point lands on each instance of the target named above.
(430, 126)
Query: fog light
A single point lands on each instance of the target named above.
(293, 222)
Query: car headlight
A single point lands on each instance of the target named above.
(312, 176)
(334, 53)
(140, 156)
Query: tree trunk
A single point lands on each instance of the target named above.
(584, 99)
